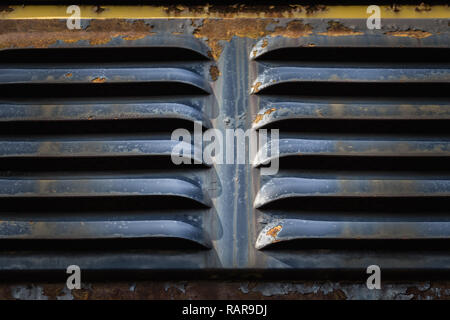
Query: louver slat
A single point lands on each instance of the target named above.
(101, 111)
(293, 187)
(354, 148)
(92, 148)
(274, 76)
(106, 75)
(94, 187)
(298, 229)
(83, 230)
(353, 111)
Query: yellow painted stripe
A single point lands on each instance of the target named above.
(182, 12)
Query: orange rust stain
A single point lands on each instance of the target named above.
(423, 7)
(98, 9)
(259, 117)
(216, 30)
(256, 86)
(214, 73)
(294, 29)
(265, 43)
(273, 232)
(337, 29)
(99, 80)
(417, 34)
(44, 33)
(394, 8)
(69, 75)
(6, 9)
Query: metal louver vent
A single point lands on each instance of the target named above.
(86, 175)
(85, 147)
(363, 148)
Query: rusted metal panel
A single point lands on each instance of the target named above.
(227, 290)
(234, 77)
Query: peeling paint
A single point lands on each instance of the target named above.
(337, 29)
(45, 33)
(259, 117)
(417, 34)
(99, 80)
(214, 73)
(213, 31)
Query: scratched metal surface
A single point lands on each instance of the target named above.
(85, 142)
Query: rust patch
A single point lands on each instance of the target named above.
(216, 30)
(313, 9)
(423, 7)
(293, 29)
(6, 9)
(233, 11)
(394, 8)
(265, 43)
(98, 9)
(99, 80)
(44, 33)
(273, 232)
(69, 75)
(337, 29)
(256, 86)
(259, 117)
(417, 34)
(214, 73)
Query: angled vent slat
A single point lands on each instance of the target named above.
(26, 188)
(368, 47)
(275, 76)
(293, 187)
(354, 148)
(83, 230)
(104, 75)
(100, 111)
(92, 148)
(378, 110)
(298, 229)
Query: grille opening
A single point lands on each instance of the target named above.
(86, 208)
(99, 90)
(99, 55)
(100, 246)
(58, 166)
(412, 166)
(425, 246)
(424, 128)
(395, 207)
(355, 90)
(369, 55)
(69, 127)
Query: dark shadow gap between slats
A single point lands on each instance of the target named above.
(328, 246)
(126, 207)
(400, 128)
(415, 166)
(375, 90)
(101, 246)
(368, 55)
(330, 208)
